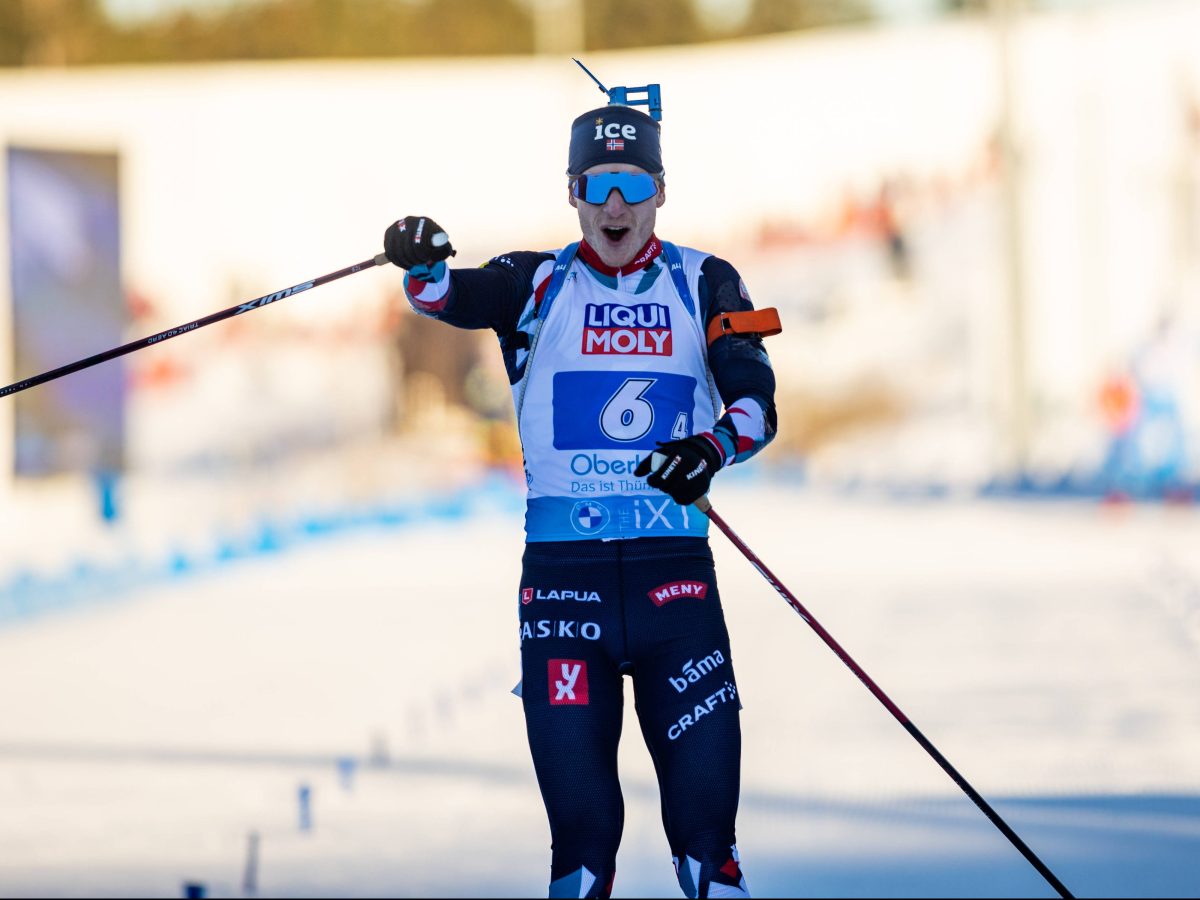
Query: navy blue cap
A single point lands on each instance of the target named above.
(614, 134)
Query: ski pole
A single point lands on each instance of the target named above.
(257, 303)
(705, 507)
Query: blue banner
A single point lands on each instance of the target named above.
(64, 228)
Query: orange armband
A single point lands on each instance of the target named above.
(763, 322)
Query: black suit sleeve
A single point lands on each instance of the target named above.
(493, 295)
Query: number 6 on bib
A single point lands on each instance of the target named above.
(628, 414)
(620, 410)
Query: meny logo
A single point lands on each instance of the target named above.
(665, 593)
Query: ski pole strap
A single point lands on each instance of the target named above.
(541, 308)
(679, 276)
(763, 322)
(558, 277)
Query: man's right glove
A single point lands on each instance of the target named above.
(416, 241)
(685, 470)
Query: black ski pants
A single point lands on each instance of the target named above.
(592, 612)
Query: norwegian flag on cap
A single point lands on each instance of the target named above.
(615, 144)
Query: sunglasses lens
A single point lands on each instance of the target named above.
(638, 188)
(634, 188)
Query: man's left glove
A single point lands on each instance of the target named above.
(416, 241)
(688, 470)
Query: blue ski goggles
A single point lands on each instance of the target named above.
(634, 187)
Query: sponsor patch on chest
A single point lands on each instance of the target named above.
(643, 329)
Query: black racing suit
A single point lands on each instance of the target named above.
(593, 611)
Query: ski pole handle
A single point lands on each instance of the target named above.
(656, 461)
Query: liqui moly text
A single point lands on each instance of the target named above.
(643, 329)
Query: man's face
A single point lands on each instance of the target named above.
(617, 230)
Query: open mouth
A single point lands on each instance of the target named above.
(615, 235)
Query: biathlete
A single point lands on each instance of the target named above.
(618, 348)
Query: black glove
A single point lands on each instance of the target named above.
(416, 241)
(688, 470)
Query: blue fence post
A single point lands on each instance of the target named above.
(304, 795)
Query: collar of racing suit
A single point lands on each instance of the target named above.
(650, 251)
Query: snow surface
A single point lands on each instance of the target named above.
(1048, 649)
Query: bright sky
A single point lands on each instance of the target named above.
(132, 10)
(732, 10)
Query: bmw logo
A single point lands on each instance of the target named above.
(589, 517)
